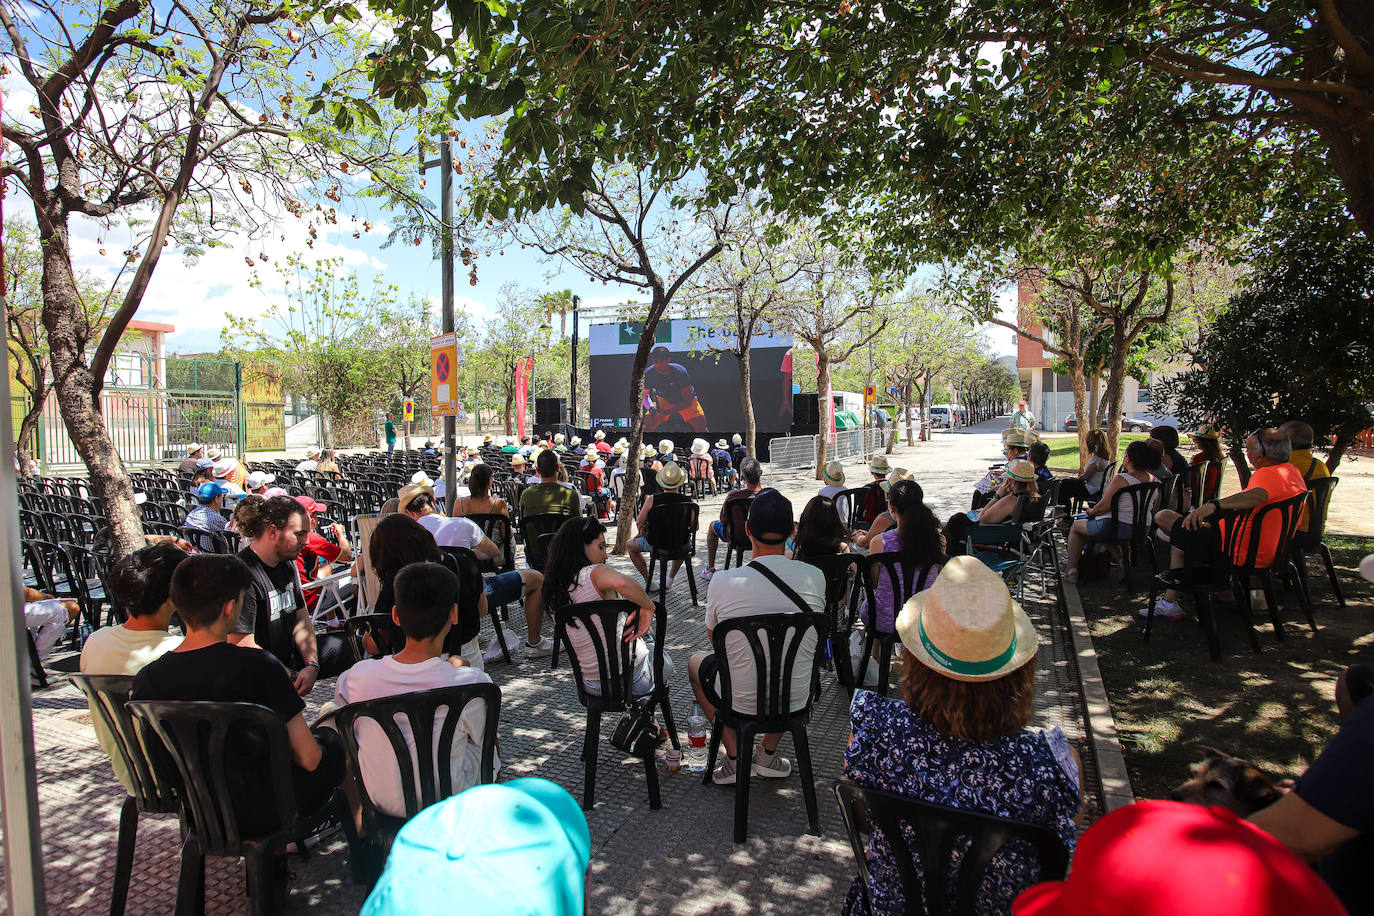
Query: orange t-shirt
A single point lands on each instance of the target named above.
(1279, 482)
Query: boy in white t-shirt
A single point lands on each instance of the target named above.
(140, 584)
(426, 607)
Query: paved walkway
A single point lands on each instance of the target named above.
(679, 859)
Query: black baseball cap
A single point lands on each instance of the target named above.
(770, 517)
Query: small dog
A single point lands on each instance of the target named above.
(1220, 779)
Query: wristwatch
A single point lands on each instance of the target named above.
(315, 665)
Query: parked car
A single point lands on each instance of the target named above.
(1128, 424)
(941, 416)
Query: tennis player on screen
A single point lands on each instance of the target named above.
(669, 394)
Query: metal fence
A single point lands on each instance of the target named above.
(800, 451)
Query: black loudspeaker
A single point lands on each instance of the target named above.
(550, 411)
(805, 410)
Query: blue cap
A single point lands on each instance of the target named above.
(203, 464)
(207, 491)
(517, 848)
(770, 517)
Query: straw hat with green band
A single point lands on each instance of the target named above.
(1021, 469)
(878, 466)
(833, 473)
(966, 626)
(1019, 438)
(1205, 431)
(671, 476)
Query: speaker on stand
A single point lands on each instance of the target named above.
(550, 412)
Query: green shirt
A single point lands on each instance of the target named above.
(390, 431)
(550, 499)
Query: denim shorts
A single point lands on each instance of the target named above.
(504, 588)
(1102, 526)
(642, 544)
(718, 528)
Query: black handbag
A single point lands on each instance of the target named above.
(635, 733)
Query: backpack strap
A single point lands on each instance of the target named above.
(782, 586)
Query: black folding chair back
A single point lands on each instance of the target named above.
(736, 531)
(152, 790)
(913, 828)
(1143, 499)
(778, 643)
(385, 632)
(904, 580)
(1313, 540)
(1202, 486)
(208, 541)
(671, 530)
(467, 568)
(433, 736)
(539, 531)
(842, 590)
(499, 531)
(211, 743)
(604, 621)
(860, 506)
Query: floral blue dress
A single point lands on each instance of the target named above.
(1029, 776)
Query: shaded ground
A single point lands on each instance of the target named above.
(1275, 708)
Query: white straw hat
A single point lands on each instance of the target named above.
(665, 446)
(671, 476)
(599, 435)
(700, 446)
(833, 473)
(312, 452)
(966, 626)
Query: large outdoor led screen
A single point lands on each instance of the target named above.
(687, 386)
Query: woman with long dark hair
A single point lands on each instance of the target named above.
(915, 540)
(575, 571)
(820, 531)
(480, 501)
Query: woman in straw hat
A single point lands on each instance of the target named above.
(1020, 482)
(832, 475)
(1208, 443)
(958, 734)
(670, 478)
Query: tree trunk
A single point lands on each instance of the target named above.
(631, 491)
(1090, 421)
(73, 383)
(405, 425)
(921, 396)
(746, 397)
(905, 405)
(1116, 384)
(1237, 455)
(827, 410)
(1080, 406)
(510, 408)
(27, 435)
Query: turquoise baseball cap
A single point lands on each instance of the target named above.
(520, 847)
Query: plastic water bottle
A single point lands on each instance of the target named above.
(696, 740)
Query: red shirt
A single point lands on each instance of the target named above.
(1279, 482)
(317, 550)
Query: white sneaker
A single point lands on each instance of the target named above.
(771, 766)
(724, 774)
(543, 650)
(493, 651)
(1164, 610)
(706, 574)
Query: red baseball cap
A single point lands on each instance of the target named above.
(309, 505)
(1163, 857)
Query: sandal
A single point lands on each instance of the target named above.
(1070, 574)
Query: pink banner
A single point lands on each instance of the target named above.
(522, 394)
(829, 413)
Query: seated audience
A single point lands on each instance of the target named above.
(1208, 443)
(820, 532)
(576, 572)
(546, 496)
(426, 609)
(47, 618)
(319, 552)
(1039, 456)
(311, 461)
(1137, 464)
(994, 485)
(1168, 857)
(670, 479)
(883, 521)
(1019, 482)
(140, 585)
(1191, 536)
(1173, 458)
(1309, 466)
(958, 735)
(1089, 482)
(206, 515)
(417, 501)
(724, 464)
(208, 592)
(916, 542)
(479, 500)
(273, 613)
(751, 475)
(747, 591)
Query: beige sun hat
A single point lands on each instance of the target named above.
(617, 449)
(409, 492)
(665, 446)
(575, 441)
(1205, 431)
(193, 448)
(966, 626)
(600, 434)
(1020, 438)
(720, 443)
(671, 476)
(893, 476)
(878, 465)
(214, 454)
(558, 438)
(833, 473)
(517, 460)
(312, 452)
(1021, 469)
(700, 446)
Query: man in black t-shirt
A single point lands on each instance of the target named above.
(274, 615)
(207, 592)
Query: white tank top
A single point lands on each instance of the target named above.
(1126, 506)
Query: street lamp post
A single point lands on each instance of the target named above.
(572, 380)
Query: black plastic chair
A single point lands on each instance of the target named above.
(615, 674)
(152, 789)
(911, 827)
(1313, 540)
(208, 541)
(904, 579)
(1239, 528)
(774, 668)
(538, 531)
(421, 713)
(842, 592)
(1144, 499)
(736, 534)
(467, 567)
(860, 506)
(386, 634)
(1198, 476)
(1077, 503)
(199, 736)
(671, 530)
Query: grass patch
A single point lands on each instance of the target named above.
(1275, 708)
(1064, 448)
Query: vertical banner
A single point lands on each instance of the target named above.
(522, 394)
(830, 414)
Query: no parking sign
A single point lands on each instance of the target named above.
(443, 363)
